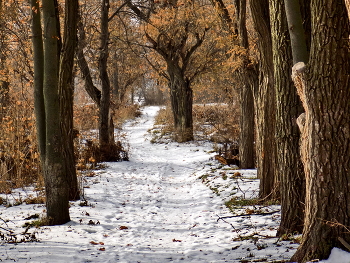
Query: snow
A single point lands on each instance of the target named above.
(158, 207)
(338, 256)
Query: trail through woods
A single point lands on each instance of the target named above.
(153, 208)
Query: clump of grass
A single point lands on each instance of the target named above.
(236, 202)
(215, 190)
(204, 177)
(39, 199)
(295, 238)
(127, 112)
(37, 223)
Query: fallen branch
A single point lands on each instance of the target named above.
(345, 244)
(257, 214)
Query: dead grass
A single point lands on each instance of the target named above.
(218, 123)
(19, 158)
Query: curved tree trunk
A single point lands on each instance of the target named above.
(289, 167)
(265, 103)
(66, 89)
(324, 87)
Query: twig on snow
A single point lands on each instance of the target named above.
(257, 214)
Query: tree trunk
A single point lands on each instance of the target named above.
(296, 31)
(265, 103)
(4, 83)
(94, 93)
(247, 129)
(324, 87)
(246, 139)
(289, 167)
(54, 168)
(106, 127)
(247, 82)
(181, 97)
(66, 90)
(38, 50)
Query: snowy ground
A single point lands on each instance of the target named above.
(165, 205)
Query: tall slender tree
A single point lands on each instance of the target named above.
(56, 185)
(66, 93)
(105, 131)
(52, 87)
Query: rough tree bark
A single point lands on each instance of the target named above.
(181, 97)
(56, 186)
(66, 91)
(265, 103)
(324, 88)
(289, 167)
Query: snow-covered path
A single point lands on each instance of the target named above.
(150, 209)
(170, 215)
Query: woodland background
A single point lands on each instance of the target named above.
(67, 68)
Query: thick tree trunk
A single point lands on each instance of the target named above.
(265, 103)
(66, 90)
(54, 168)
(181, 96)
(289, 167)
(324, 87)
(39, 106)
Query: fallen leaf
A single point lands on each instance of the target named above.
(249, 211)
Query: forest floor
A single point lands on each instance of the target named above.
(167, 204)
